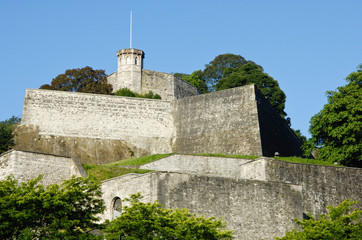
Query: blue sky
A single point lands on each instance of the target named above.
(308, 46)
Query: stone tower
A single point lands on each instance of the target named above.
(130, 65)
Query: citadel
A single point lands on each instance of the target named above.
(257, 198)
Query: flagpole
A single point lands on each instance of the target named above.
(130, 32)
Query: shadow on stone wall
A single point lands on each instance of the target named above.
(85, 150)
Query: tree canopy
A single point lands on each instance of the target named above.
(195, 79)
(253, 73)
(337, 128)
(214, 71)
(340, 223)
(6, 133)
(67, 211)
(81, 80)
(152, 221)
(229, 71)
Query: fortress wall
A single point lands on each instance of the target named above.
(276, 135)
(220, 122)
(253, 209)
(322, 185)
(158, 82)
(219, 166)
(184, 89)
(27, 165)
(112, 79)
(144, 125)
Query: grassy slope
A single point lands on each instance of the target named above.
(115, 169)
(111, 170)
(305, 160)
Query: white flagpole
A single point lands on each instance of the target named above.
(130, 32)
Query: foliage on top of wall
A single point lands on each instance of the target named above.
(125, 92)
(84, 80)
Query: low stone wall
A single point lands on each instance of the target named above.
(217, 166)
(124, 186)
(322, 185)
(28, 165)
(253, 209)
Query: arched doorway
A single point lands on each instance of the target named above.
(116, 207)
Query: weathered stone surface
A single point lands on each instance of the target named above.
(85, 150)
(322, 185)
(253, 209)
(99, 128)
(28, 165)
(220, 122)
(136, 126)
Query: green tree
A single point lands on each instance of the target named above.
(195, 79)
(6, 133)
(81, 80)
(152, 221)
(337, 128)
(67, 211)
(339, 224)
(214, 71)
(252, 73)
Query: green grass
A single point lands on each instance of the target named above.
(115, 169)
(139, 161)
(304, 160)
(224, 155)
(103, 172)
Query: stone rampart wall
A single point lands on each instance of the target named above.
(158, 82)
(168, 86)
(220, 122)
(322, 185)
(183, 89)
(143, 124)
(27, 165)
(253, 209)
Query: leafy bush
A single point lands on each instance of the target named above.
(152, 221)
(125, 92)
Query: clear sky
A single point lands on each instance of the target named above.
(308, 46)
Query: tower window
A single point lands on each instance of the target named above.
(135, 61)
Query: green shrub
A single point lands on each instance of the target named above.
(125, 92)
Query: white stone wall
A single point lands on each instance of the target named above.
(123, 187)
(27, 165)
(144, 123)
(219, 166)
